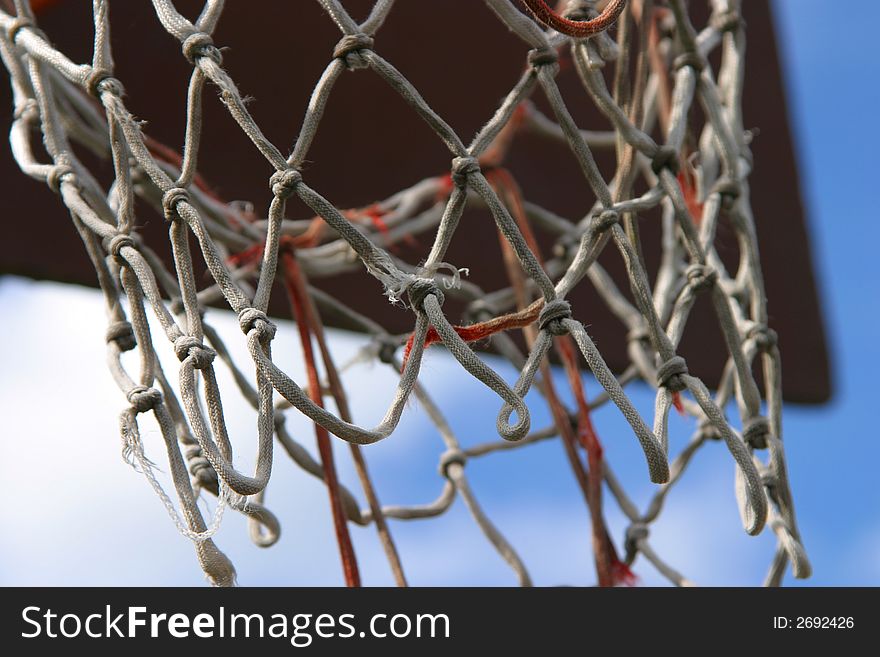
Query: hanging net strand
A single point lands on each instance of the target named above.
(695, 177)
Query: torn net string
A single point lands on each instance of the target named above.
(67, 104)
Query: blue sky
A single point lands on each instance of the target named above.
(78, 515)
(834, 89)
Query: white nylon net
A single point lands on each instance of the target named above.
(661, 70)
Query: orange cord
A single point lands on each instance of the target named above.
(577, 29)
(296, 292)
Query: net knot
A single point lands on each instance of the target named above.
(670, 373)
(543, 57)
(251, 318)
(122, 334)
(101, 80)
(387, 349)
(198, 45)
(449, 457)
(755, 432)
(144, 399)
(201, 469)
(349, 50)
(566, 247)
(462, 168)
(170, 199)
(691, 58)
(638, 333)
(28, 111)
(636, 532)
(283, 183)
(707, 430)
(420, 288)
(765, 337)
(728, 20)
(118, 242)
(57, 175)
(605, 220)
(16, 25)
(186, 346)
(478, 310)
(581, 11)
(666, 157)
(729, 189)
(701, 277)
(553, 315)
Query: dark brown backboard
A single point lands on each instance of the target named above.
(463, 68)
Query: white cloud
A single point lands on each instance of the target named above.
(78, 515)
